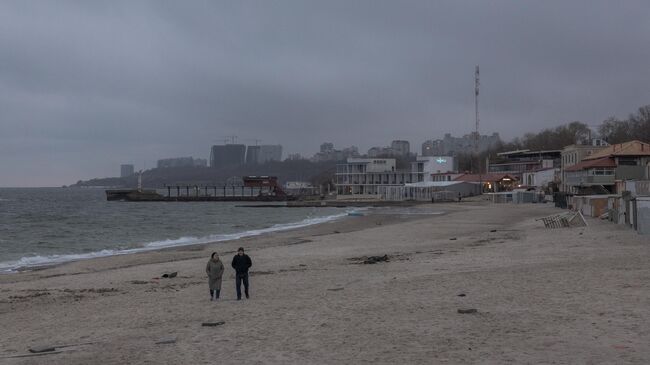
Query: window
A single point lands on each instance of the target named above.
(602, 171)
(627, 161)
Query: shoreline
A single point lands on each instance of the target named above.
(340, 223)
(566, 296)
(62, 259)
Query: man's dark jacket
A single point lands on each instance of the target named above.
(241, 264)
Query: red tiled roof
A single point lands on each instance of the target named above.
(588, 164)
(490, 177)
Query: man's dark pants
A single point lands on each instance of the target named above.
(239, 278)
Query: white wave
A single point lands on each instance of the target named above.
(36, 261)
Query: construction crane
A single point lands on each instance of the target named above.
(225, 139)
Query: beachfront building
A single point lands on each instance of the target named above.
(491, 182)
(607, 169)
(515, 163)
(574, 154)
(426, 167)
(362, 177)
(540, 179)
(430, 191)
(299, 188)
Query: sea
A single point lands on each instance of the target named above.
(42, 226)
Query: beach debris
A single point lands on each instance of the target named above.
(467, 311)
(170, 275)
(453, 239)
(302, 265)
(375, 259)
(39, 349)
(166, 340)
(337, 232)
(139, 282)
(369, 259)
(335, 289)
(462, 295)
(493, 230)
(212, 324)
(31, 355)
(564, 220)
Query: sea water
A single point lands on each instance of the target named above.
(40, 226)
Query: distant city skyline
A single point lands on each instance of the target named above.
(88, 86)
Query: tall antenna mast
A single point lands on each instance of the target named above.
(476, 135)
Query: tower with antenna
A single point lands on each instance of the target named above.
(476, 135)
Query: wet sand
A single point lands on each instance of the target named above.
(564, 296)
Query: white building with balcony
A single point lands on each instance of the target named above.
(362, 177)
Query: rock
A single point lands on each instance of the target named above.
(493, 230)
(453, 239)
(335, 289)
(461, 295)
(212, 324)
(467, 311)
(139, 282)
(39, 349)
(170, 275)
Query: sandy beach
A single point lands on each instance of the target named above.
(543, 296)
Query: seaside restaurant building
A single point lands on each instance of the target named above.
(516, 163)
(606, 171)
(360, 178)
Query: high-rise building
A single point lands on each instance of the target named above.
(269, 153)
(263, 154)
(252, 155)
(449, 146)
(400, 148)
(227, 156)
(126, 170)
(327, 147)
(328, 153)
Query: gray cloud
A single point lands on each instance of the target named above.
(85, 86)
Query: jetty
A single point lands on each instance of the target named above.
(254, 189)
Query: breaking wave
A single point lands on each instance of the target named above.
(36, 260)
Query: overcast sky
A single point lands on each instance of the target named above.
(88, 85)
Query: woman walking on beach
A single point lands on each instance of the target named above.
(214, 269)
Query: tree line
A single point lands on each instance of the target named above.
(613, 130)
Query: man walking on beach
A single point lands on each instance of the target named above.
(241, 263)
